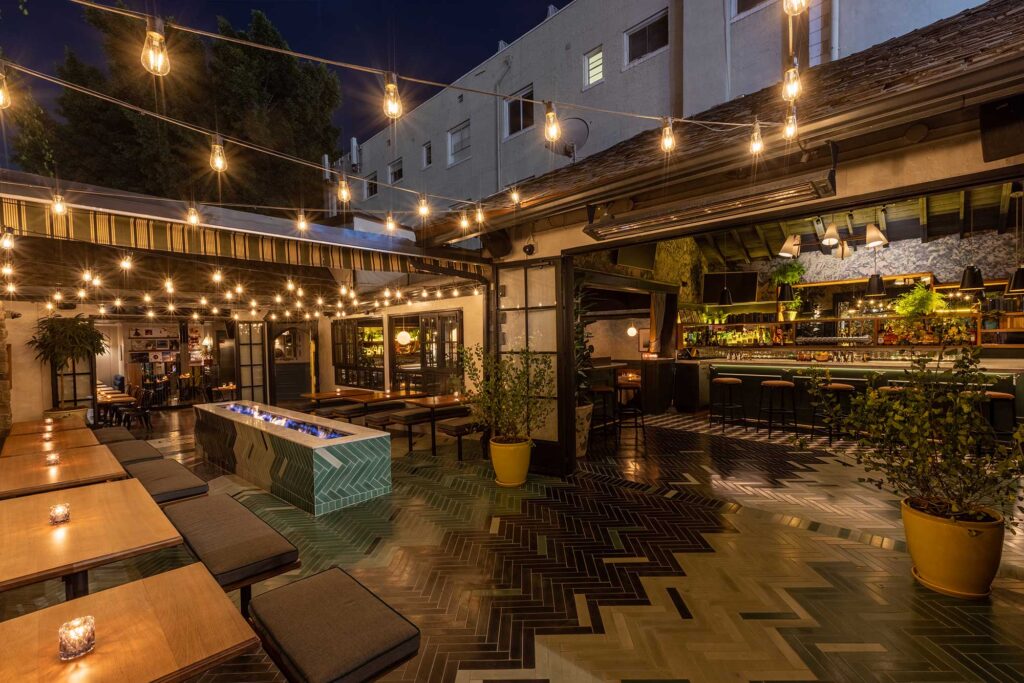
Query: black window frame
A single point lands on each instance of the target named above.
(650, 32)
(519, 110)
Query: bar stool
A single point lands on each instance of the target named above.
(996, 398)
(607, 396)
(842, 392)
(727, 404)
(776, 388)
(632, 409)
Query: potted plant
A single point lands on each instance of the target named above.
(931, 443)
(788, 272)
(58, 341)
(792, 308)
(914, 307)
(505, 396)
(582, 351)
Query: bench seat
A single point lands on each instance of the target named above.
(460, 427)
(304, 631)
(167, 480)
(128, 452)
(362, 410)
(107, 435)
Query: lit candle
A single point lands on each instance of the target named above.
(53, 458)
(77, 637)
(48, 420)
(47, 436)
(60, 513)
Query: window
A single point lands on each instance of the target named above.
(371, 185)
(647, 38)
(743, 6)
(395, 171)
(593, 67)
(458, 143)
(428, 155)
(518, 113)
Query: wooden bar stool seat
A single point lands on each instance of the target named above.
(773, 389)
(606, 393)
(842, 392)
(727, 405)
(995, 399)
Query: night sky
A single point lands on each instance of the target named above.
(435, 39)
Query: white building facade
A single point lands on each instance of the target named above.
(655, 57)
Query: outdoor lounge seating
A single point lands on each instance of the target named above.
(128, 452)
(381, 420)
(167, 480)
(416, 416)
(351, 412)
(301, 630)
(459, 427)
(238, 547)
(108, 435)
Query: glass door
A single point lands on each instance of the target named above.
(251, 362)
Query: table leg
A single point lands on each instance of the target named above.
(433, 432)
(76, 585)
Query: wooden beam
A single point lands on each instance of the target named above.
(964, 210)
(922, 217)
(819, 230)
(743, 248)
(1004, 208)
(849, 229)
(715, 250)
(764, 241)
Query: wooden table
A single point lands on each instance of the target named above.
(317, 396)
(109, 522)
(168, 627)
(224, 388)
(435, 402)
(38, 443)
(22, 475)
(114, 398)
(382, 396)
(57, 424)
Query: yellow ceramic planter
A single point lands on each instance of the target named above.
(954, 558)
(511, 462)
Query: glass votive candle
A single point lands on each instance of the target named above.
(77, 637)
(60, 513)
(47, 436)
(53, 458)
(48, 421)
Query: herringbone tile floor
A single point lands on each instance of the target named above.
(708, 558)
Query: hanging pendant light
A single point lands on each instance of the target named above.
(791, 247)
(154, 50)
(785, 292)
(1015, 285)
(631, 330)
(876, 287)
(972, 280)
(392, 102)
(842, 250)
(725, 296)
(552, 129)
(831, 237)
(873, 237)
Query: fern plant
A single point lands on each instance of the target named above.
(58, 341)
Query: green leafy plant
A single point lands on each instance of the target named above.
(506, 391)
(795, 305)
(920, 301)
(788, 272)
(582, 349)
(58, 341)
(931, 442)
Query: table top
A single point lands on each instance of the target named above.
(382, 396)
(146, 630)
(110, 521)
(58, 424)
(225, 387)
(334, 393)
(443, 401)
(112, 399)
(38, 443)
(22, 475)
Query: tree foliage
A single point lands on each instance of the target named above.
(506, 392)
(272, 100)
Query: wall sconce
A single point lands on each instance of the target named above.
(77, 637)
(60, 513)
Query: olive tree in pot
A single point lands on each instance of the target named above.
(504, 395)
(582, 352)
(931, 443)
(58, 341)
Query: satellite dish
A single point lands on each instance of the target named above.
(575, 132)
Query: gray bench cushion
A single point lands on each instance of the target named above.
(328, 627)
(230, 539)
(167, 480)
(112, 434)
(128, 452)
(411, 416)
(380, 420)
(361, 409)
(458, 426)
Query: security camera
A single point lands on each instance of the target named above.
(528, 249)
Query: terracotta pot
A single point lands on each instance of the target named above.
(952, 557)
(584, 415)
(511, 462)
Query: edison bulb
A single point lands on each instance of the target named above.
(202, 301)
(59, 207)
(319, 301)
(301, 223)
(118, 302)
(154, 51)
(150, 313)
(389, 222)
(794, 7)
(463, 221)
(479, 214)
(147, 298)
(423, 209)
(49, 306)
(192, 216)
(57, 296)
(169, 286)
(791, 84)
(790, 129)
(239, 289)
(344, 191)
(278, 298)
(126, 263)
(218, 159)
(438, 293)
(96, 281)
(631, 330)
(756, 141)
(392, 102)
(514, 196)
(103, 309)
(8, 270)
(170, 307)
(217, 276)
(195, 316)
(7, 241)
(214, 310)
(5, 95)
(668, 137)
(81, 293)
(552, 129)
(11, 288)
(343, 290)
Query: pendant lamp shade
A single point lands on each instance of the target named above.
(873, 237)
(725, 297)
(842, 250)
(791, 247)
(876, 287)
(831, 237)
(971, 280)
(785, 292)
(1016, 284)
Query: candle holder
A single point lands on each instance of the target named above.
(60, 513)
(47, 436)
(77, 638)
(53, 459)
(48, 420)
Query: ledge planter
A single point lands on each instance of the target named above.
(932, 444)
(59, 341)
(504, 392)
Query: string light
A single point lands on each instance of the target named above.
(192, 216)
(455, 292)
(11, 288)
(235, 316)
(273, 316)
(301, 223)
(147, 298)
(87, 275)
(424, 294)
(790, 130)
(791, 83)
(170, 307)
(319, 301)
(278, 298)
(389, 222)
(150, 313)
(392, 102)
(169, 286)
(5, 95)
(229, 295)
(479, 214)
(154, 50)
(103, 309)
(217, 276)
(218, 159)
(343, 290)
(57, 296)
(423, 209)
(58, 206)
(476, 291)
(463, 221)
(239, 289)
(8, 270)
(552, 129)
(352, 294)
(252, 303)
(344, 191)
(398, 294)
(7, 241)
(118, 302)
(438, 294)
(290, 286)
(756, 141)
(195, 316)
(95, 281)
(514, 196)
(214, 310)
(203, 301)
(668, 136)
(794, 7)
(298, 292)
(49, 306)
(81, 293)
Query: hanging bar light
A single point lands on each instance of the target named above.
(790, 129)
(668, 136)
(192, 216)
(791, 247)
(876, 286)
(971, 280)
(791, 87)
(344, 191)
(552, 129)
(831, 237)
(423, 208)
(756, 141)
(218, 159)
(1015, 285)
(154, 51)
(392, 102)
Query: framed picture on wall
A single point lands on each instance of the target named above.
(643, 338)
